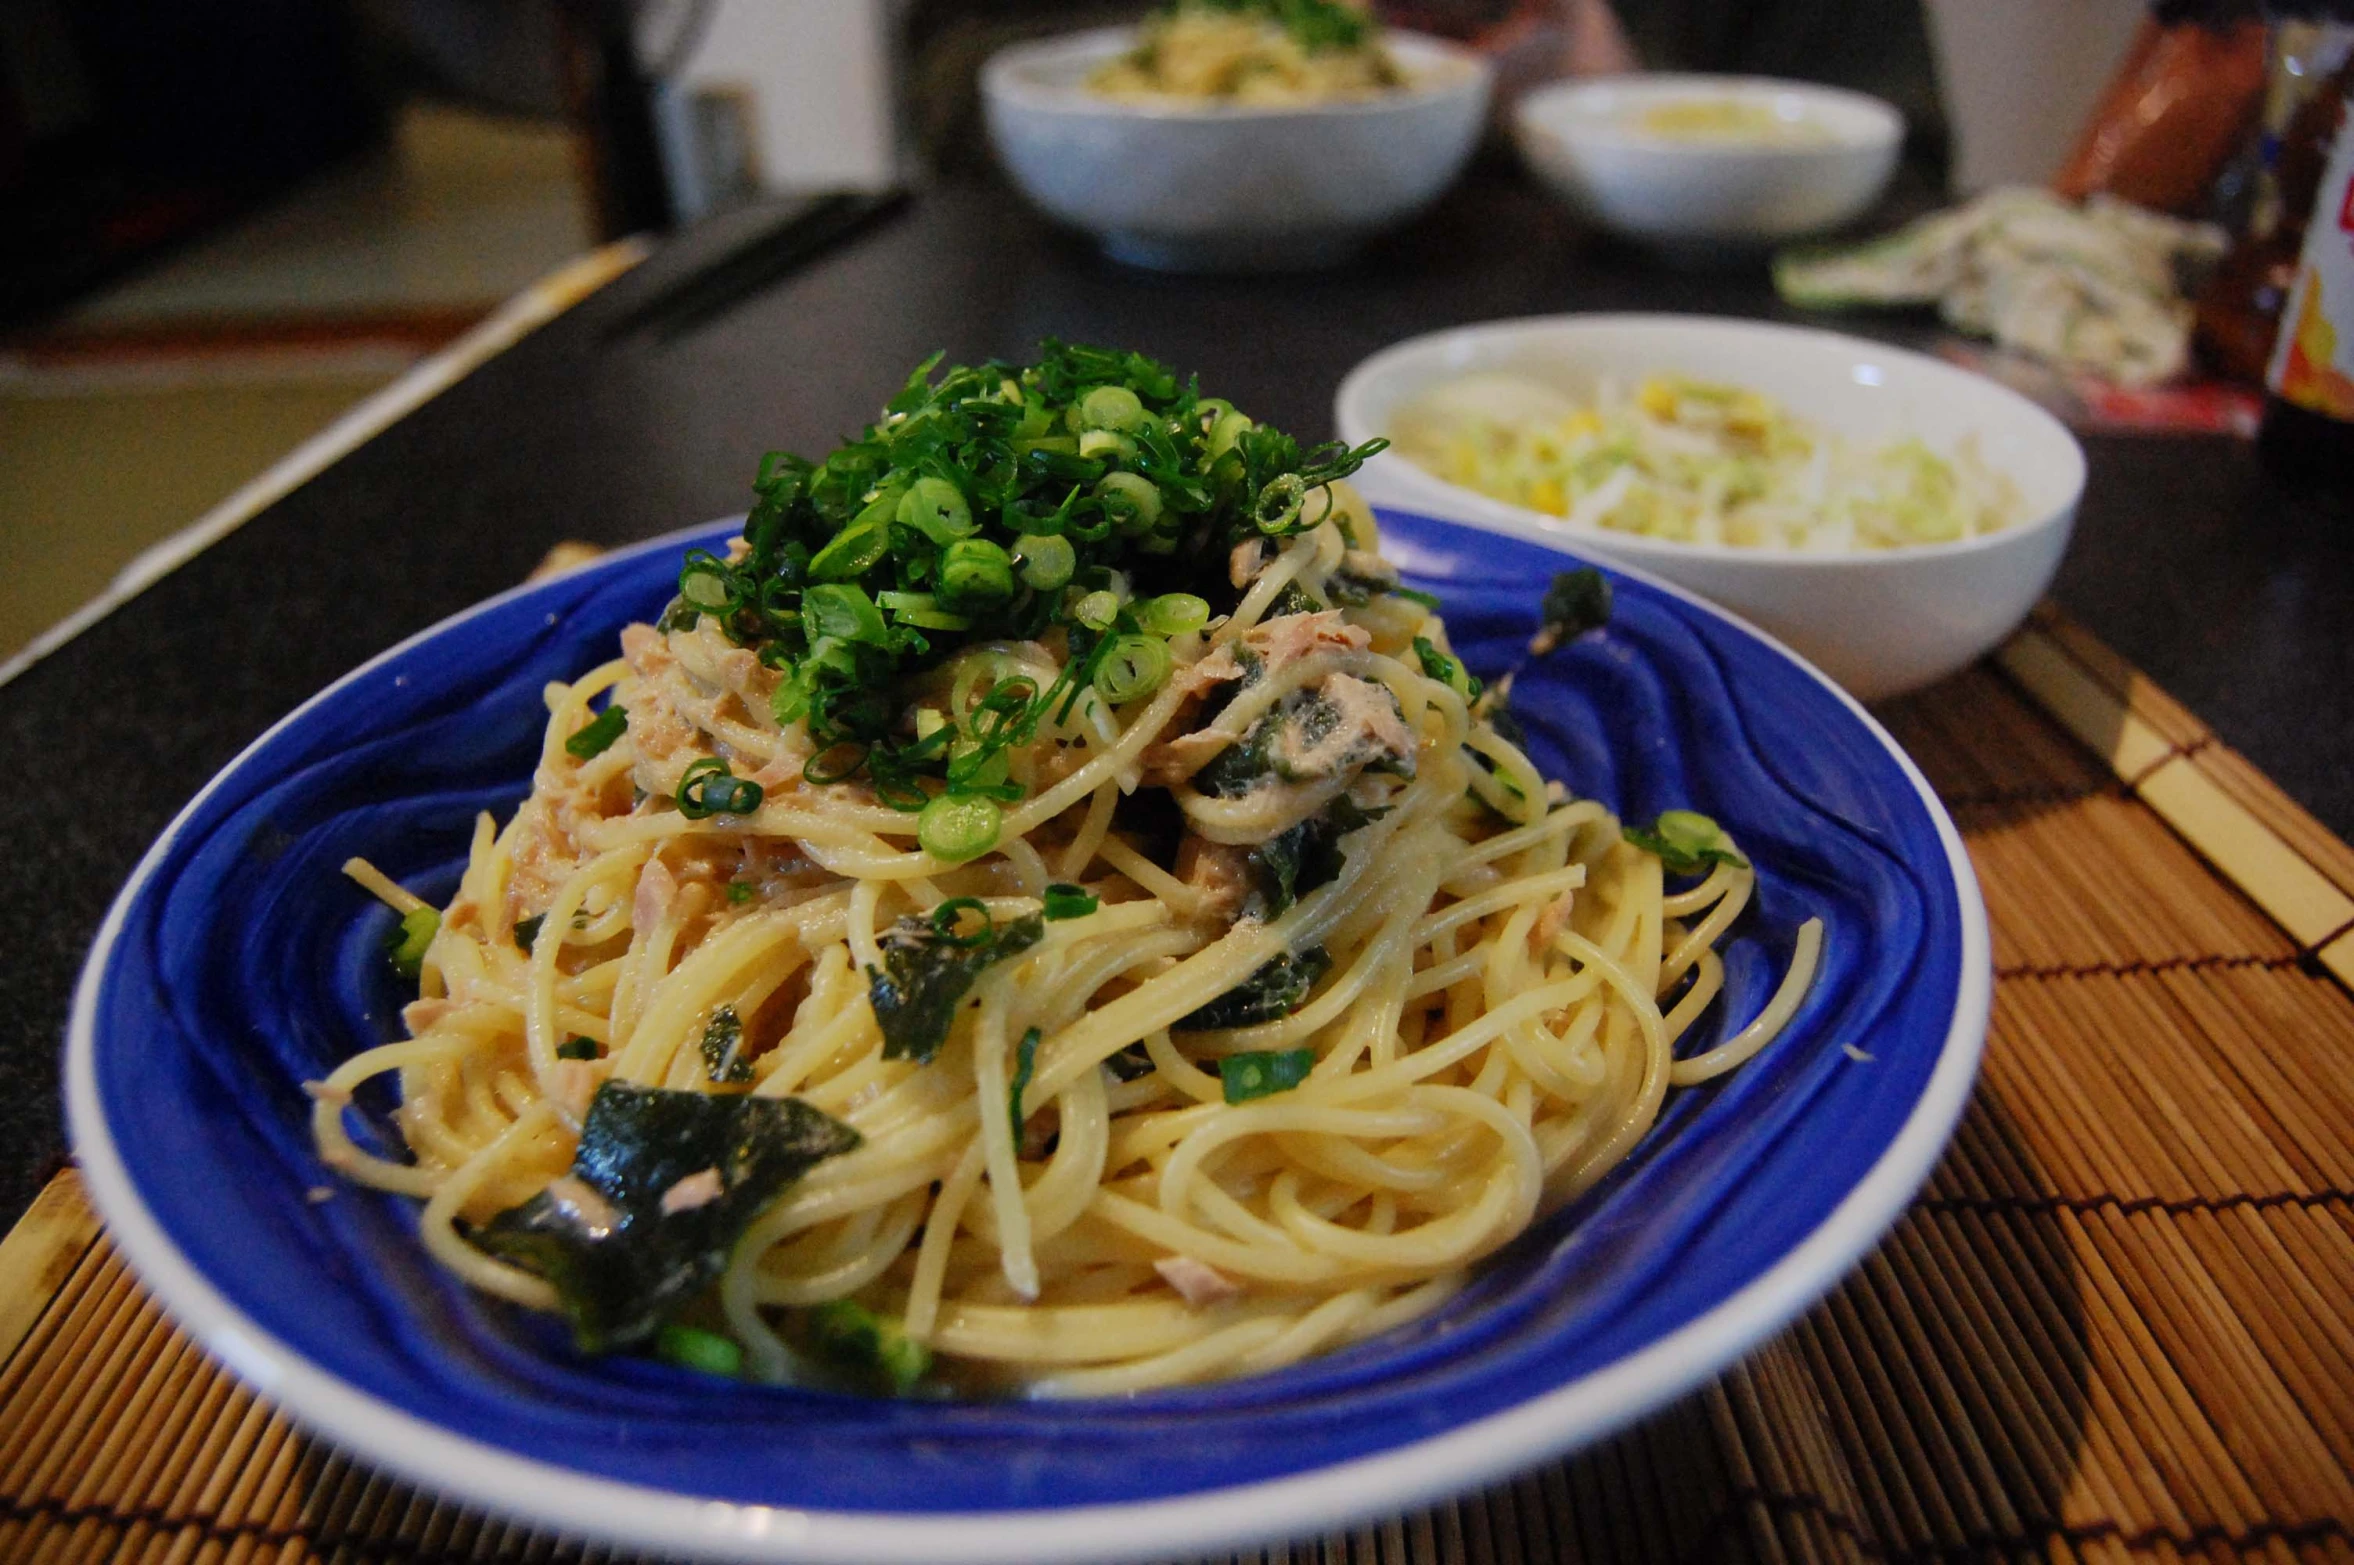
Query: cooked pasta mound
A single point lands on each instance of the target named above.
(1045, 911)
(1252, 51)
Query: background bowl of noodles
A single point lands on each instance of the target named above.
(239, 963)
(1218, 185)
(1878, 620)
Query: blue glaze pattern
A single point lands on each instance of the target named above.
(246, 964)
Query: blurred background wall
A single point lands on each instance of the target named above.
(224, 223)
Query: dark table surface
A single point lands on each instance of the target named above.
(2231, 592)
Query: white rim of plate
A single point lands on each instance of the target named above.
(1619, 548)
(582, 1506)
(1437, 70)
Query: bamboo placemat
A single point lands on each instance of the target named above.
(2115, 1325)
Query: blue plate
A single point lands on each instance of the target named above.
(239, 963)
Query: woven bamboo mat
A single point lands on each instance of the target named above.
(2115, 1325)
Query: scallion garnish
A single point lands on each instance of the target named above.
(708, 788)
(1025, 1063)
(1068, 901)
(706, 1352)
(1263, 1072)
(957, 828)
(407, 948)
(596, 736)
(1685, 842)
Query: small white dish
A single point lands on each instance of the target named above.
(1230, 187)
(1879, 621)
(1819, 156)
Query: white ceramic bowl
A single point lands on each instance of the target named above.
(1879, 621)
(1219, 187)
(1585, 140)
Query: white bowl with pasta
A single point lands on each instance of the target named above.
(1710, 161)
(1879, 620)
(1217, 185)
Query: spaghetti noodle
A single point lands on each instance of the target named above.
(1162, 994)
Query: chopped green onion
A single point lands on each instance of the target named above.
(1134, 666)
(1097, 610)
(1446, 670)
(957, 829)
(1429, 600)
(417, 928)
(1111, 407)
(853, 552)
(858, 1339)
(1131, 500)
(948, 923)
(577, 1047)
(1172, 613)
(937, 509)
(705, 581)
(1047, 560)
(974, 570)
(1102, 442)
(741, 891)
(527, 930)
(596, 736)
(1686, 842)
(706, 1352)
(1264, 1072)
(921, 608)
(1231, 427)
(844, 612)
(1025, 1062)
(1064, 900)
(707, 788)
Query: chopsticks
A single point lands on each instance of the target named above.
(767, 256)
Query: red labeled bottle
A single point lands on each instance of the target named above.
(2309, 407)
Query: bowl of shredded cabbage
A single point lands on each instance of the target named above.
(1889, 516)
(1235, 135)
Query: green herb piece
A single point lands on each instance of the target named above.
(707, 1352)
(741, 891)
(959, 828)
(1025, 1063)
(1046, 560)
(1685, 842)
(620, 1264)
(1067, 901)
(410, 937)
(1578, 601)
(1264, 1072)
(596, 736)
(1429, 600)
(867, 1345)
(975, 572)
(843, 613)
(1447, 670)
(527, 930)
(577, 1047)
(1171, 614)
(927, 969)
(708, 788)
(937, 509)
(1276, 990)
(1132, 668)
(723, 1048)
